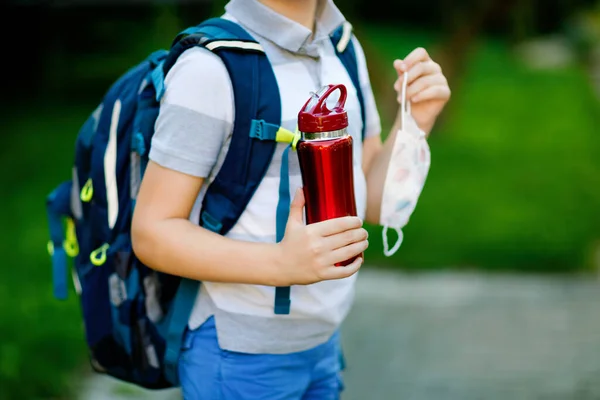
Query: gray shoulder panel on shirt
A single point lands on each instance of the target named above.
(187, 141)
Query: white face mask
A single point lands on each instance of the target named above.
(406, 174)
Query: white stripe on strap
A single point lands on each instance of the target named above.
(346, 36)
(234, 44)
(110, 167)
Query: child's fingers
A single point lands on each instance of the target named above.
(417, 55)
(333, 226)
(424, 68)
(343, 272)
(424, 83)
(335, 242)
(297, 207)
(438, 92)
(400, 67)
(346, 252)
(417, 71)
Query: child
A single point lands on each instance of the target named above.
(236, 347)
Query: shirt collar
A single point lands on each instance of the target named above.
(281, 30)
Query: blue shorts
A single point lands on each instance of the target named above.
(207, 372)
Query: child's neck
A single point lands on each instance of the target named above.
(302, 11)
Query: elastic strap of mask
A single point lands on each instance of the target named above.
(405, 104)
(386, 247)
(405, 110)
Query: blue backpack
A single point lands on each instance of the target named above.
(135, 317)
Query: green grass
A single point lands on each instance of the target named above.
(514, 184)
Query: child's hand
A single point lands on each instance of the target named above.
(308, 253)
(427, 88)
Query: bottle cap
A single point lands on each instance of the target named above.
(316, 117)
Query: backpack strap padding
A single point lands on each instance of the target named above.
(344, 49)
(256, 97)
(213, 34)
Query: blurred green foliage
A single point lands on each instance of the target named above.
(514, 184)
(41, 340)
(514, 181)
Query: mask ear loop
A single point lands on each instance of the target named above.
(405, 104)
(386, 246)
(405, 109)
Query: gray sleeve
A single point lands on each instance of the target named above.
(195, 116)
(187, 141)
(373, 121)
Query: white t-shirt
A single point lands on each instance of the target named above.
(192, 136)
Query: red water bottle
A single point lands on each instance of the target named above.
(325, 156)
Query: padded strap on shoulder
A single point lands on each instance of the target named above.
(344, 49)
(256, 97)
(217, 29)
(219, 32)
(257, 105)
(213, 34)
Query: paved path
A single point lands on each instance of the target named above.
(459, 337)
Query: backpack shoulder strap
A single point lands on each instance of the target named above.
(215, 34)
(257, 104)
(344, 49)
(257, 107)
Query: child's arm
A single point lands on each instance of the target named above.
(164, 239)
(428, 91)
(376, 157)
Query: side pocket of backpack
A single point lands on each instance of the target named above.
(123, 289)
(110, 288)
(82, 192)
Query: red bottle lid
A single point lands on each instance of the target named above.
(316, 117)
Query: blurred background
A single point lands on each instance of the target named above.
(494, 293)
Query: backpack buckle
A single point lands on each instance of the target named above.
(211, 223)
(258, 130)
(138, 144)
(261, 130)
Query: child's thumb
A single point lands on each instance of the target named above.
(297, 206)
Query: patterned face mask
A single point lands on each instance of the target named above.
(406, 175)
